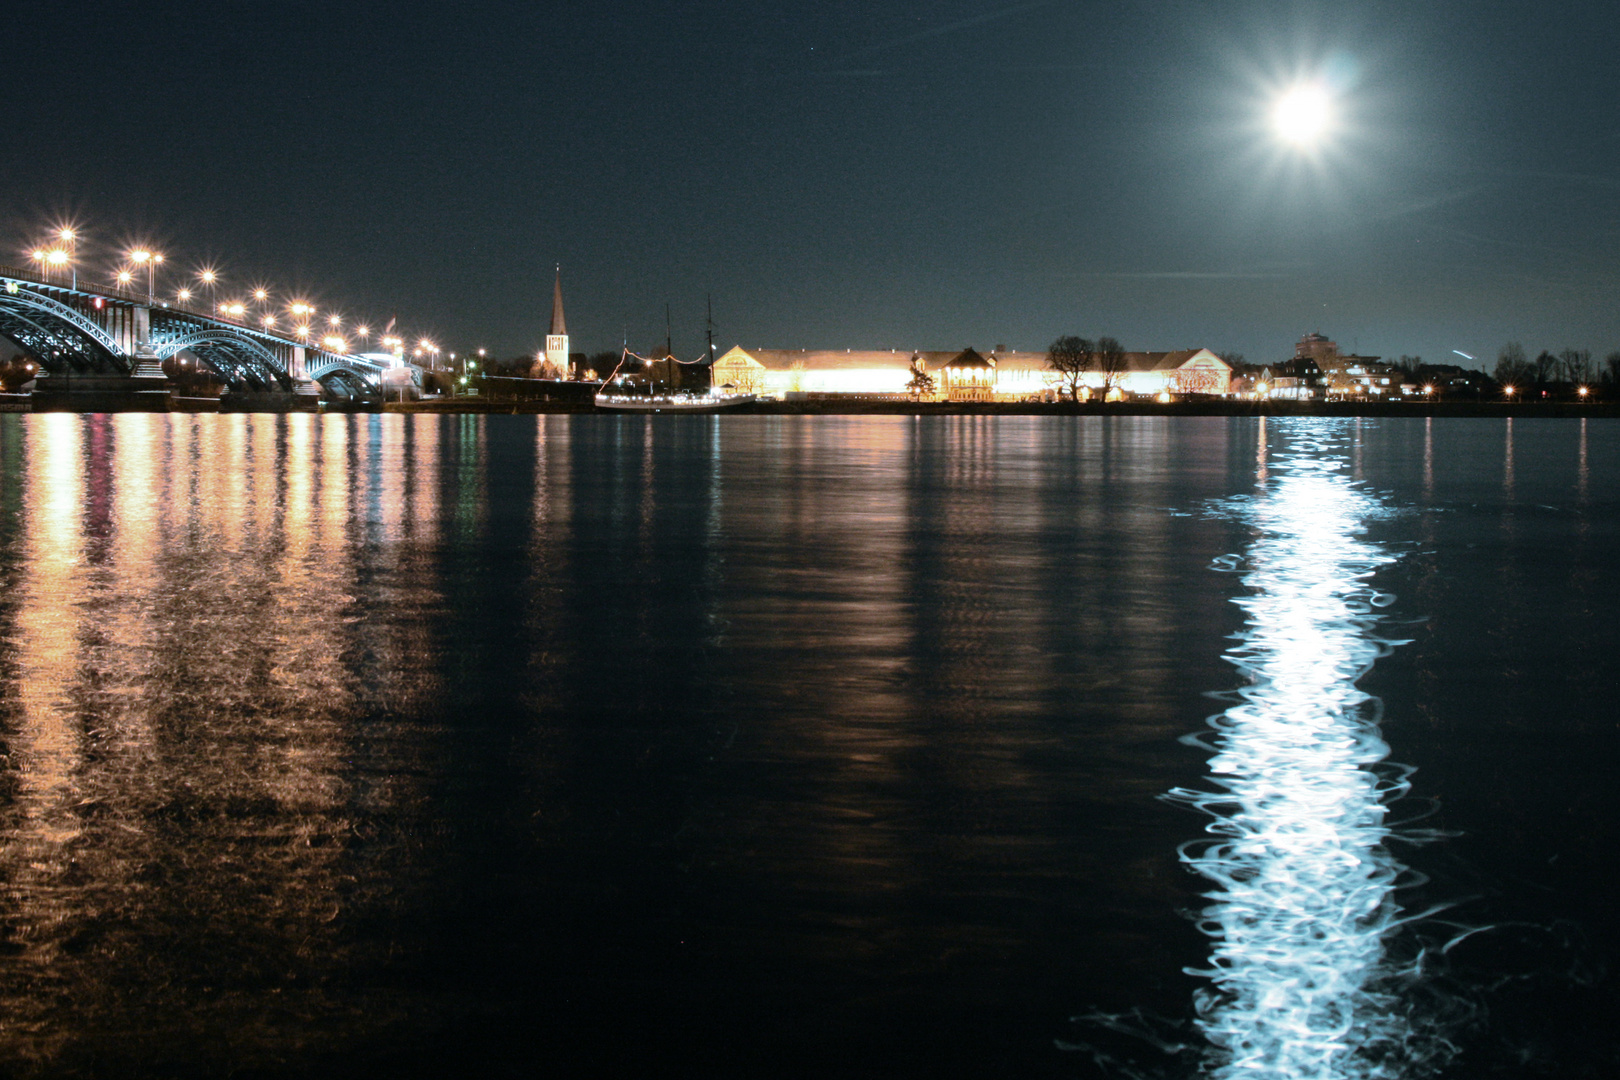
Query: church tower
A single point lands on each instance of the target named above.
(557, 336)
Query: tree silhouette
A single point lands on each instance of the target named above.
(921, 382)
(1111, 362)
(1511, 366)
(1070, 357)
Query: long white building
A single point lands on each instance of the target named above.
(999, 375)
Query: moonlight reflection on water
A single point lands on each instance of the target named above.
(1305, 880)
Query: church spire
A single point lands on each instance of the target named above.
(559, 326)
(555, 364)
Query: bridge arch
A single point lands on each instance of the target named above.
(60, 336)
(237, 358)
(343, 380)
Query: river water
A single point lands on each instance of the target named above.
(790, 746)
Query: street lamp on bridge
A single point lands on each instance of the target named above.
(209, 278)
(150, 260)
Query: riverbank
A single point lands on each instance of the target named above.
(824, 407)
(1035, 408)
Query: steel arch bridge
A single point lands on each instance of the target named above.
(87, 330)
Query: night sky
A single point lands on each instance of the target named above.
(868, 174)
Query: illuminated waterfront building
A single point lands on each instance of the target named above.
(1000, 375)
(1345, 375)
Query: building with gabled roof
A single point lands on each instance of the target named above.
(966, 375)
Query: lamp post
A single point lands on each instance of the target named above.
(209, 278)
(69, 238)
(150, 260)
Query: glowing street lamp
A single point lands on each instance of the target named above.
(150, 260)
(1508, 390)
(209, 278)
(183, 296)
(69, 237)
(51, 260)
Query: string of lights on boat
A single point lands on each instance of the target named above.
(62, 254)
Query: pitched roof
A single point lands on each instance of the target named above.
(559, 326)
(837, 359)
(967, 358)
(1010, 361)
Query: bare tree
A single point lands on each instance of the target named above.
(1070, 357)
(1612, 362)
(1577, 365)
(1111, 362)
(1409, 364)
(1511, 366)
(1546, 366)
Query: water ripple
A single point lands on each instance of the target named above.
(1301, 982)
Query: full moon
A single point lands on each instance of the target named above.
(1303, 115)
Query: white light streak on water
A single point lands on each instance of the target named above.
(1304, 897)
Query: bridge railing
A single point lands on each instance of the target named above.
(84, 284)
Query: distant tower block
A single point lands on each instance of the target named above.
(556, 366)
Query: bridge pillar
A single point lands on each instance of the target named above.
(305, 390)
(147, 365)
